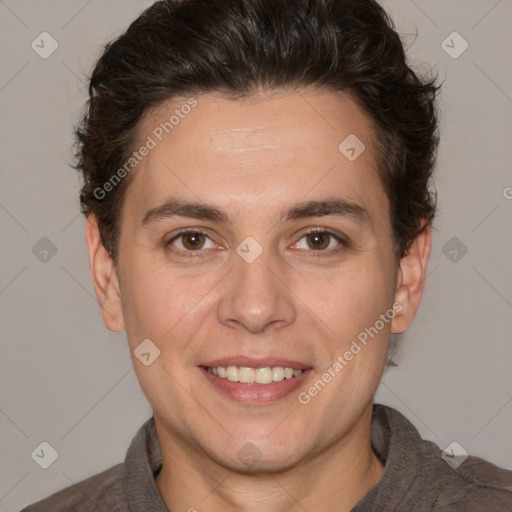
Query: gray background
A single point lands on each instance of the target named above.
(66, 380)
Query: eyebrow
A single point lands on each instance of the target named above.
(332, 206)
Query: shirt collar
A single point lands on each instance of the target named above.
(142, 463)
(394, 439)
(397, 443)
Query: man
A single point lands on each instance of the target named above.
(258, 221)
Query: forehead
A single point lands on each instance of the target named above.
(265, 151)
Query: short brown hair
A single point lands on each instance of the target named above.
(185, 47)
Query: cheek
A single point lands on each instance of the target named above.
(155, 301)
(349, 298)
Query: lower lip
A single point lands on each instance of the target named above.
(255, 394)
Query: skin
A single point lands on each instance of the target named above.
(253, 158)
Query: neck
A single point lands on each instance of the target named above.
(335, 479)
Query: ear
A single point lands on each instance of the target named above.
(104, 276)
(411, 280)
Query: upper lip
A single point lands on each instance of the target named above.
(252, 362)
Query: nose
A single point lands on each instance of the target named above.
(257, 296)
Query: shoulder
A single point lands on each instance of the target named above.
(418, 477)
(474, 486)
(101, 492)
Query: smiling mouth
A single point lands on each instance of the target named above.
(247, 375)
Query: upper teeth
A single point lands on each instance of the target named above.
(247, 375)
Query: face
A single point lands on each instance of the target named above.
(250, 240)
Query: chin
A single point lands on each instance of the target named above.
(251, 459)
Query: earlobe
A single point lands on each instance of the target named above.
(104, 275)
(411, 280)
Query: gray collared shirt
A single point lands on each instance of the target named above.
(415, 478)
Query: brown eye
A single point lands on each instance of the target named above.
(321, 241)
(193, 241)
(318, 240)
(190, 241)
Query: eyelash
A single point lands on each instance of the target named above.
(197, 254)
